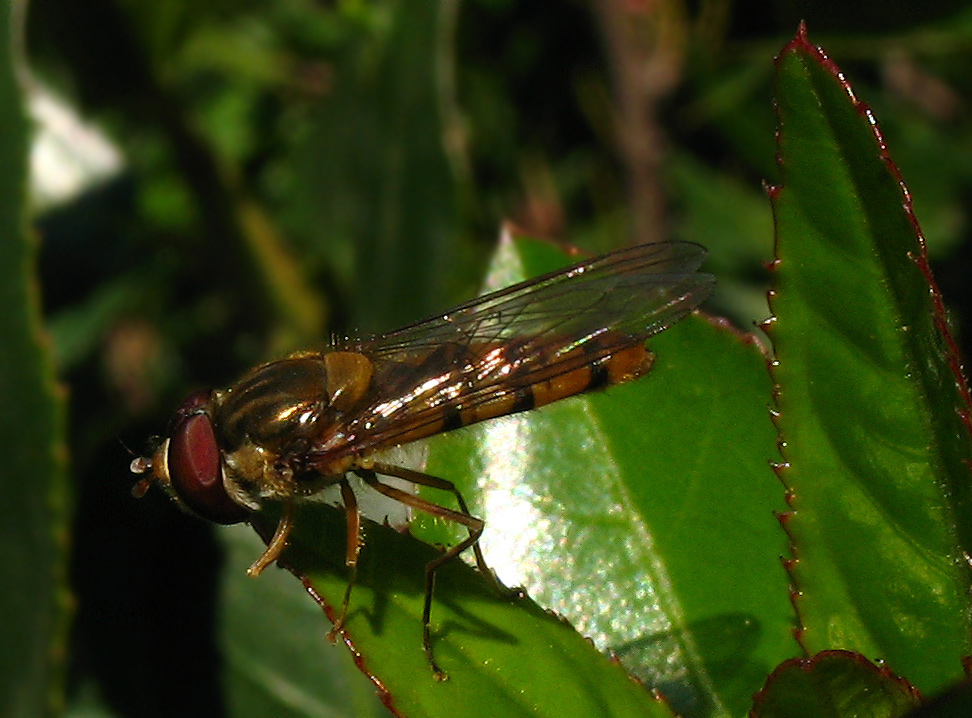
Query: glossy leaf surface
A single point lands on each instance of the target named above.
(484, 641)
(644, 514)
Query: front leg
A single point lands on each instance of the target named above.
(352, 551)
(277, 544)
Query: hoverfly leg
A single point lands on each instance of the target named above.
(351, 553)
(417, 477)
(277, 544)
(474, 525)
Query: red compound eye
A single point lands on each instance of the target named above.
(195, 464)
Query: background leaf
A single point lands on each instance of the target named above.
(870, 410)
(33, 599)
(374, 169)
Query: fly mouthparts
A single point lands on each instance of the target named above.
(140, 465)
(141, 488)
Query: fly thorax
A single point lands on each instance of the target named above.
(273, 405)
(348, 379)
(269, 421)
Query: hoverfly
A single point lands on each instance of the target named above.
(292, 427)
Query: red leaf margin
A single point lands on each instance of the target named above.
(801, 44)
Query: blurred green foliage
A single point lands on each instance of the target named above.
(296, 169)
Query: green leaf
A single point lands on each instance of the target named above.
(645, 514)
(833, 684)
(872, 409)
(277, 661)
(482, 639)
(33, 599)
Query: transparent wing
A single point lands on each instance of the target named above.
(639, 291)
(520, 336)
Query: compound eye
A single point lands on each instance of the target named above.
(196, 466)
